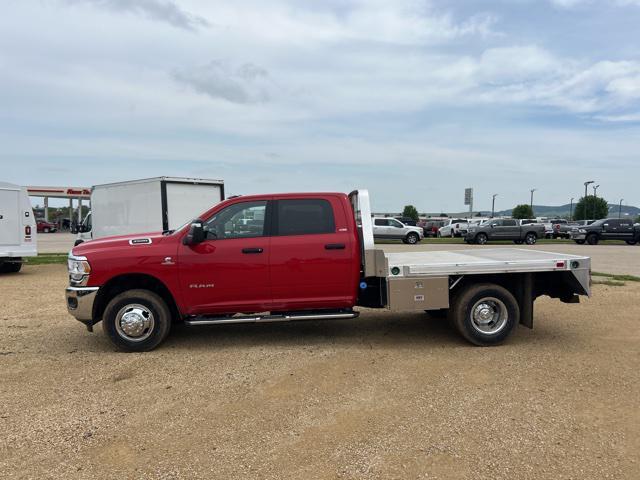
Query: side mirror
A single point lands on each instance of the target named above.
(195, 235)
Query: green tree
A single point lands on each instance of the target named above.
(591, 208)
(638, 219)
(522, 211)
(410, 212)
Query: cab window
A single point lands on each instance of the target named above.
(305, 216)
(240, 220)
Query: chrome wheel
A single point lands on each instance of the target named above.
(134, 322)
(489, 315)
(481, 239)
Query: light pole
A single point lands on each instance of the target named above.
(571, 210)
(586, 184)
(493, 204)
(620, 208)
(595, 198)
(532, 190)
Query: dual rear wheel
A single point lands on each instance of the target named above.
(484, 314)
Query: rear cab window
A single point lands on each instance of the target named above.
(305, 216)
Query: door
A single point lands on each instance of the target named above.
(625, 230)
(611, 230)
(494, 232)
(381, 228)
(510, 230)
(10, 231)
(229, 271)
(312, 252)
(396, 229)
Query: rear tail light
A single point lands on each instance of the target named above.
(559, 264)
(27, 231)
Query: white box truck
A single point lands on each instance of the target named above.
(148, 205)
(18, 230)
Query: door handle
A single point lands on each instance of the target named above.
(252, 250)
(335, 246)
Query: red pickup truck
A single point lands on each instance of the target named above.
(306, 256)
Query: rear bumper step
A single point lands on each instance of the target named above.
(289, 317)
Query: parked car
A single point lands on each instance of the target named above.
(392, 229)
(552, 230)
(563, 230)
(454, 227)
(46, 227)
(505, 229)
(607, 229)
(407, 221)
(431, 227)
(18, 232)
(312, 258)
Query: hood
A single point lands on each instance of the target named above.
(119, 241)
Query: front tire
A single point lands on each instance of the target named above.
(592, 239)
(631, 242)
(412, 238)
(518, 242)
(136, 320)
(485, 314)
(481, 238)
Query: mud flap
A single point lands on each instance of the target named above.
(525, 299)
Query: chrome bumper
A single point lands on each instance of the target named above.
(80, 302)
(578, 236)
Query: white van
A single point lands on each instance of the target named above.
(18, 229)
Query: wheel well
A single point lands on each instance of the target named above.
(531, 232)
(122, 283)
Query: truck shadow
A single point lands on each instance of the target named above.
(375, 330)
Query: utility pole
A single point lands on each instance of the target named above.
(571, 210)
(493, 204)
(595, 199)
(620, 208)
(532, 190)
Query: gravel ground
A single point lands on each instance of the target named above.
(382, 396)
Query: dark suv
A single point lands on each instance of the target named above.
(607, 229)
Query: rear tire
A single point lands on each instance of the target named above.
(580, 242)
(485, 314)
(518, 242)
(530, 239)
(592, 239)
(12, 267)
(631, 242)
(136, 320)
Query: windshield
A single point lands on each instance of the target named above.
(597, 223)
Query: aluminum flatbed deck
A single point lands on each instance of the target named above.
(479, 261)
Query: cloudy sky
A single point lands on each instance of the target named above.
(414, 100)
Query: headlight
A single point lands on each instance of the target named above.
(582, 230)
(78, 267)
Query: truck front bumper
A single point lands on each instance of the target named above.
(577, 236)
(80, 302)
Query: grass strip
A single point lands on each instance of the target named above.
(614, 277)
(609, 283)
(47, 259)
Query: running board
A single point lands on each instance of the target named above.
(271, 318)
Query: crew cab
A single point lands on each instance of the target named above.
(386, 228)
(307, 256)
(505, 229)
(607, 229)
